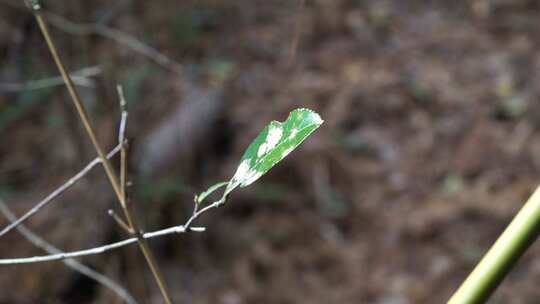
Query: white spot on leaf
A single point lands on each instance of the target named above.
(242, 171)
(262, 150)
(244, 176)
(273, 137)
(251, 177)
(293, 133)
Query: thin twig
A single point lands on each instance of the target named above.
(49, 198)
(117, 36)
(131, 224)
(122, 140)
(123, 156)
(77, 102)
(73, 264)
(102, 249)
(113, 179)
(80, 78)
(120, 222)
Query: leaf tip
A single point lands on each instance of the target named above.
(314, 116)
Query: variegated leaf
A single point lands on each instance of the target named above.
(274, 142)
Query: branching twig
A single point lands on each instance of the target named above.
(73, 264)
(120, 222)
(80, 78)
(131, 223)
(123, 160)
(57, 192)
(98, 250)
(111, 175)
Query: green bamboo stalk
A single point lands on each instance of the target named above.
(503, 255)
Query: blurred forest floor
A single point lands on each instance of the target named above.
(430, 144)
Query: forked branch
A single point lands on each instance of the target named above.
(186, 227)
(35, 6)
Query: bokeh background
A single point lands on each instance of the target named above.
(430, 144)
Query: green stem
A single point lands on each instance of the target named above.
(499, 260)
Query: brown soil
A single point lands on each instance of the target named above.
(430, 145)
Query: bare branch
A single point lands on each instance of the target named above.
(57, 192)
(73, 264)
(120, 222)
(123, 157)
(116, 35)
(102, 249)
(124, 115)
(83, 115)
(109, 171)
(122, 140)
(80, 78)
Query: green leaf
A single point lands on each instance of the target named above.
(274, 142)
(199, 198)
